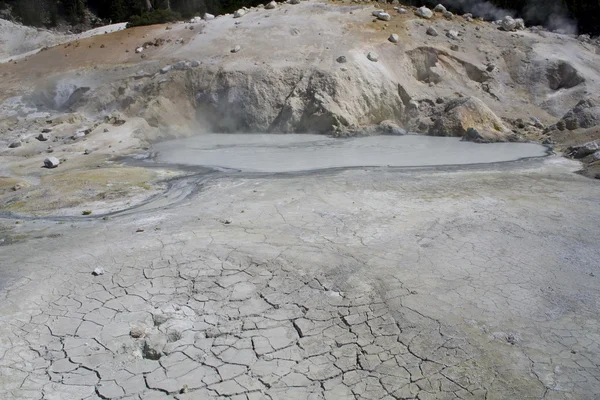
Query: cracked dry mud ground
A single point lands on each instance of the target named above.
(477, 283)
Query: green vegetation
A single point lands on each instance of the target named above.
(154, 17)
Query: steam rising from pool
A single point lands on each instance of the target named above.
(295, 152)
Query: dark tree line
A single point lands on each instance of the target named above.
(585, 13)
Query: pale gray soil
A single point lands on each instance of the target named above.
(478, 282)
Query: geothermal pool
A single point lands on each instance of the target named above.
(302, 152)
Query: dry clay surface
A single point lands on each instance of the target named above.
(363, 284)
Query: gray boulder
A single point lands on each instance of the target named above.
(584, 150)
(424, 12)
(508, 23)
(394, 38)
(51, 162)
(239, 13)
(431, 31)
(208, 17)
(586, 114)
(440, 8)
(271, 5)
(384, 16)
(373, 56)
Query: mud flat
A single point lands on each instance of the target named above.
(472, 282)
(290, 153)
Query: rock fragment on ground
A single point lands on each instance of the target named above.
(51, 162)
(431, 31)
(394, 38)
(424, 12)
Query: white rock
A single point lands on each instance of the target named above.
(376, 12)
(165, 69)
(384, 16)
(452, 34)
(440, 8)
(139, 49)
(239, 13)
(195, 20)
(373, 57)
(424, 12)
(509, 24)
(520, 24)
(401, 10)
(98, 271)
(271, 5)
(208, 17)
(51, 162)
(394, 38)
(236, 49)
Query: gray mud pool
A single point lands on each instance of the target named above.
(301, 152)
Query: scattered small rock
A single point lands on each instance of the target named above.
(440, 8)
(139, 49)
(41, 137)
(46, 130)
(452, 35)
(448, 15)
(86, 212)
(139, 230)
(454, 47)
(431, 31)
(239, 13)
(98, 271)
(401, 10)
(384, 16)
(341, 59)
(424, 12)
(394, 38)
(137, 332)
(165, 69)
(372, 56)
(86, 152)
(51, 162)
(14, 145)
(208, 17)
